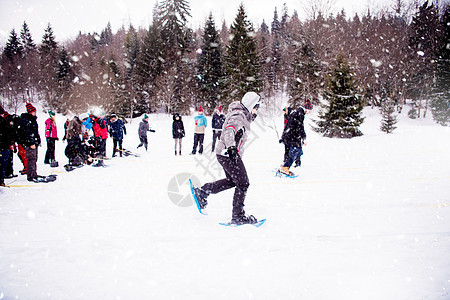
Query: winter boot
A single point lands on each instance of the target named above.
(285, 170)
(250, 219)
(175, 152)
(179, 153)
(201, 197)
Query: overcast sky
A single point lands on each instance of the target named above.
(69, 17)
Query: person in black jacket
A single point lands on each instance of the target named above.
(117, 130)
(177, 131)
(294, 136)
(6, 142)
(217, 122)
(31, 140)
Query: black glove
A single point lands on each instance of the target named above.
(233, 153)
(281, 141)
(151, 130)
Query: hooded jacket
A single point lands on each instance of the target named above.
(177, 127)
(294, 131)
(237, 124)
(117, 129)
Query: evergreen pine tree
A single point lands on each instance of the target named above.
(341, 116)
(304, 82)
(423, 42)
(389, 119)
(131, 78)
(176, 38)
(64, 78)
(440, 105)
(13, 49)
(209, 67)
(173, 17)
(275, 59)
(48, 52)
(49, 44)
(27, 40)
(242, 59)
(150, 66)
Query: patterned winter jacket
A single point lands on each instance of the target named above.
(236, 127)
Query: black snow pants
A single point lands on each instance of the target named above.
(236, 176)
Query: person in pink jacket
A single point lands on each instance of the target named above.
(51, 135)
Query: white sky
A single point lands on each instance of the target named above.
(69, 17)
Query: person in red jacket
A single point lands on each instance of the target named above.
(101, 135)
(51, 135)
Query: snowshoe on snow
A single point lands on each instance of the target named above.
(44, 179)
(199, 198)
(70, 167)
(244, 220)
(284, 172)
(128, 153)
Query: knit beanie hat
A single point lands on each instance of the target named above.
(200, 109)
(30, 108)
(220, 108)
(51, 114)
(145, 116)
(308, 105)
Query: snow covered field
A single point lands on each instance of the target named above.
(368, 218)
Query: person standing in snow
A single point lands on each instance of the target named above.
(229, 153)
(294, 136)
(217, 122)
(66, 125)
(101, 135)
(199, 133)
(286, 112)
(117, 130)
(6, 144)
(177, 131)
(142, 131)
(51, 134)
(31, 140)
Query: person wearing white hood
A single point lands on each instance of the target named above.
(229, 151)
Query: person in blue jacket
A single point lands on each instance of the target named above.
(117, 130)
(199, 133)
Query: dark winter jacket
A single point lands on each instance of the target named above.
(15, 122)
(117, 129)
(294, 132)
(6, 137)
(143, 128)
(177, 127)
(217, 121)
(29, 132)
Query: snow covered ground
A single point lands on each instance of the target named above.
(368, 218)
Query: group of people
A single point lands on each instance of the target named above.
(201, 123)
(21, 135)
(230, 134)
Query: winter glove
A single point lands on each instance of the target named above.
(233, 153)
(280, 141)
(151, 130)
